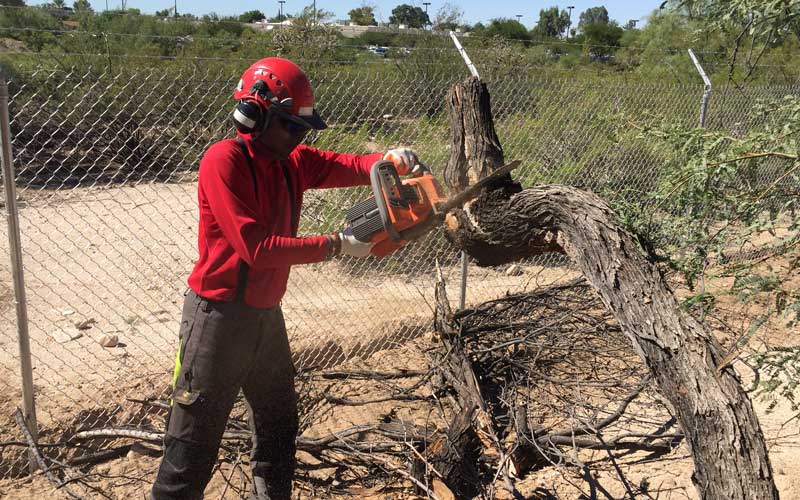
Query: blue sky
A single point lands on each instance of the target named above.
(474, 10)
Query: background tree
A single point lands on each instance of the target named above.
(308, 16)
(277, 18)
(510, 29)
(448, 17)
(413, 17)
(601, 39)
(363, 16)
(12, 3)
(82, 6)
(593, 15)
(552, 23)
(759, 25)
(696, 9)
(252, 16)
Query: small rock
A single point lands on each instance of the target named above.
(107, 340)
(66, 335)
(67, 312)
(85, 324)
(514, 270)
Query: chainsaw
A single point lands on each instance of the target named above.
(400, 211)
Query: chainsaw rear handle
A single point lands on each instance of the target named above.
(383, 177)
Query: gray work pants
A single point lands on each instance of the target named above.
(225, 346)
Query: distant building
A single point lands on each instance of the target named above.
(351, 30)
(266, 26)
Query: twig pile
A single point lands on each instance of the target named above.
(511, 386)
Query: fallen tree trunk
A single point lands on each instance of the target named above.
(506, 224)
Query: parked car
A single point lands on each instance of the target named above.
(378, 51)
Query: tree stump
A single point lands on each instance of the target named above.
(506, 224)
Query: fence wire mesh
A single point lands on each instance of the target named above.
(106, 166)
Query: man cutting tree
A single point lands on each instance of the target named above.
(232, 332)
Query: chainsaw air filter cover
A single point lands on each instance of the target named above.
(395, 207)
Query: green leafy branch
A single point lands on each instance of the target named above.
(725, 206)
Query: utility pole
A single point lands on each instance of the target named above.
(519, 16)
(632, 23)
(426, 12)
(569, 25)
(280, 15)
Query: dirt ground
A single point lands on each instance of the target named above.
(115, 262)
(665, 477)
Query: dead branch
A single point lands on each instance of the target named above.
(37, 453)
(392, 397)
(367, 374)
(119, 433)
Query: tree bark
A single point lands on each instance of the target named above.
(505, 225)
(476, 150)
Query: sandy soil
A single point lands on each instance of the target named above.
(665, 477)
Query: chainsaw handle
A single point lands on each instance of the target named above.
(384, 170)
(419, 170)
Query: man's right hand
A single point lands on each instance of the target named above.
(353, 247)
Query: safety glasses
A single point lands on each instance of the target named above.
(292, 127)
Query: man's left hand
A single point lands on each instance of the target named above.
(405, 161)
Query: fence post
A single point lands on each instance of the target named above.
(706, 88)
(703, 109)
(26, 367)
(462, 300)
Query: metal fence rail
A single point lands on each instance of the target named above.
(106, 166)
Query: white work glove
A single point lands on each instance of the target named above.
(351, 246)
(405, 162)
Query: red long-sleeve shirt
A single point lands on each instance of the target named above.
(236, 226)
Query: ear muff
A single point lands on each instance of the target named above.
(247, 116)
(250, 115)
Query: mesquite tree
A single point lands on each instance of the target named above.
(506, 224)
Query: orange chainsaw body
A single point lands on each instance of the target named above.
(388, 218)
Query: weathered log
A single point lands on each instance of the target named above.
(472, 433)
(454, 455)
(721, 428)
(476, 150)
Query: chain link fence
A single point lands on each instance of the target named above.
(106, 166)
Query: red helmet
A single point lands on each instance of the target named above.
(277, 84)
